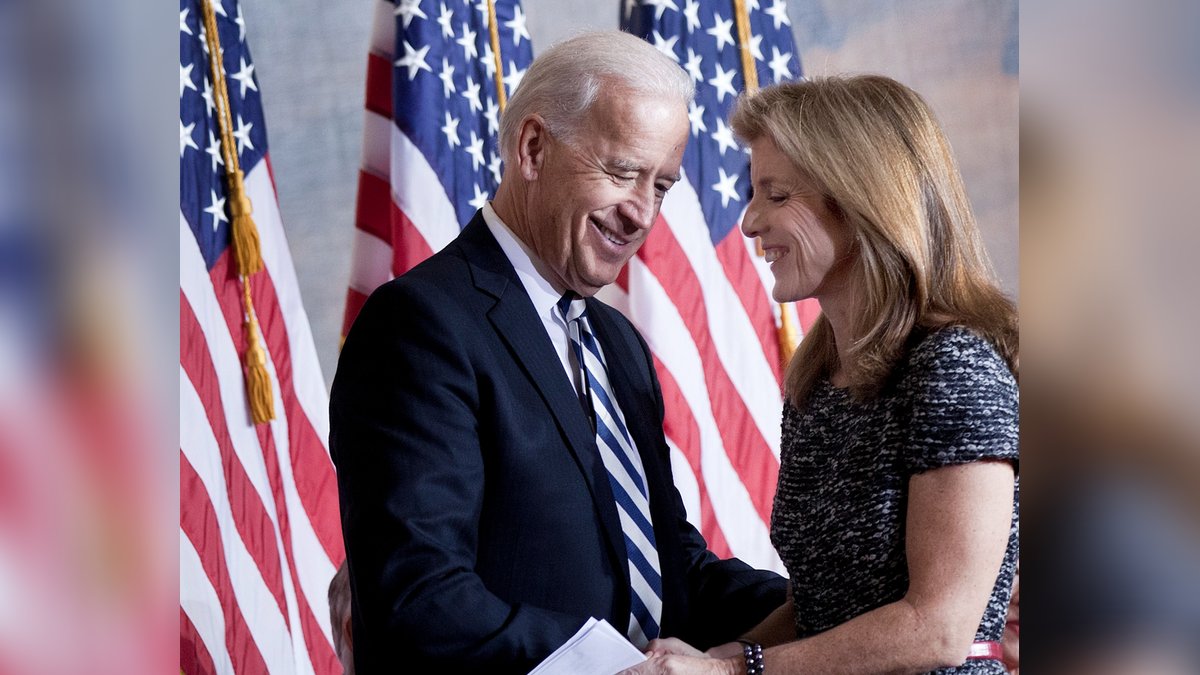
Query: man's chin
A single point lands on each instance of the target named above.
(585, 291)
(588, 288)
(590, 284)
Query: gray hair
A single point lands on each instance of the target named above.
(563, 82)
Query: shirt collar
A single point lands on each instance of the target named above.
(528, 266)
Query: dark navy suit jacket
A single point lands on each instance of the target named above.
(480, 527)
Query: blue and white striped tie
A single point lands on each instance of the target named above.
(625, 472)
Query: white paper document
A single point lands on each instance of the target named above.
(597, 649)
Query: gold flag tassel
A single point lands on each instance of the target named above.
(787, 333)
(247, 250)
(246, 247)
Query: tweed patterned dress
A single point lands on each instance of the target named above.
(839, 514)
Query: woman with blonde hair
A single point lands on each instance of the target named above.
(896, 510)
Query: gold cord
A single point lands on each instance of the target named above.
(247, 249)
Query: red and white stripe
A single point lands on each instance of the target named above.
(260, 537)
(707, 315)
(705, 311)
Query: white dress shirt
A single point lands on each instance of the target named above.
(544, 295)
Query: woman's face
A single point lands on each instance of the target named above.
(807, 247)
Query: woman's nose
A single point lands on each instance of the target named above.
(750, 223)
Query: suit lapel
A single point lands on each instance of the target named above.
(519, 326)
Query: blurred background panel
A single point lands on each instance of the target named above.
(87, 318)
(1110, 136)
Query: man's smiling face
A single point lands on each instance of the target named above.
(597, 195)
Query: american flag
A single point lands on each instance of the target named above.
(698, 291)
(431, 154)
(259, 535)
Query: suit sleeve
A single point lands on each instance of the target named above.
(404, 436)
(726, 598)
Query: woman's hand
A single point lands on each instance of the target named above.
(674, 656)
(676, 664)
(725, 651)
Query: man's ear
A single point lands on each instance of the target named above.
(532, 145)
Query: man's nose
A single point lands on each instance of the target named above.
(641, 208)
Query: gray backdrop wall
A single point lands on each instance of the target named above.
(310, 58)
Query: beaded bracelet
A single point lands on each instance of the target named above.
(752, 652)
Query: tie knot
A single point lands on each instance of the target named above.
(571, 306)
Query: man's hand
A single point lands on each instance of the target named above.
(676, 664)
(664, 646)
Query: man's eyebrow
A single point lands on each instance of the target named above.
(626, 165)
(629, 166)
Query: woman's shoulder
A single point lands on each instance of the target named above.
(960, 401)
(954, 347)
(952, 355)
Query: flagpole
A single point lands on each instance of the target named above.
(244, 240)
(494, 36)
(749, 72)
(787, 328)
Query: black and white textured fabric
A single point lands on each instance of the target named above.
(839, 514)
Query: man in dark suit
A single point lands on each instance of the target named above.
(498, 431)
